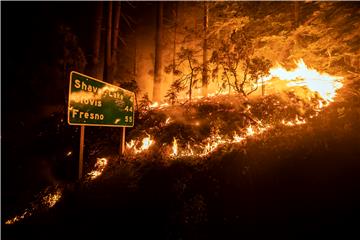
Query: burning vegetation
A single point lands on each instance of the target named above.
(295, 96)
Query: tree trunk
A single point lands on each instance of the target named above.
(134, 59)
(296, 13)
(135, 69)
(158, 54)
(107, 67)
(95, 69)
(205, 53)
(190, 86)
(115, 37)
(174, 44)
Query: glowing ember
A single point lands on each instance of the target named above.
(51, 199)
(69, 153)
(99, 168)
(322, 83)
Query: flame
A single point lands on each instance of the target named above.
(154, 105)
(99, 168)
(131, 144)
(250, 131)
(322, 83)
(164, 105)
(146, 143)
(168, 120)
(174, 148)
(237, 138)
(51, 199)
(294, 122)
(191, 152)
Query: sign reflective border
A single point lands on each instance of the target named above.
(97, 103)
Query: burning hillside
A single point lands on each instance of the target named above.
(198, 128)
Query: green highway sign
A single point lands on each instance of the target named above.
(96, 103)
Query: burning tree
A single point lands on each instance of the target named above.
(241, 70)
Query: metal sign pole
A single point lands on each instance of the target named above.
(81, 155)
(122, 142)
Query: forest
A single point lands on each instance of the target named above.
(246, 115)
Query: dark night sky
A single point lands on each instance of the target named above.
(29, 44)
(29, 30)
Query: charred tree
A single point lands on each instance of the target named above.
(158, 54)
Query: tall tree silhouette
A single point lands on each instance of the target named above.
(158, 54)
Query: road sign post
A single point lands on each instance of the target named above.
(81, 155)
(122, 142)
(93, 102)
